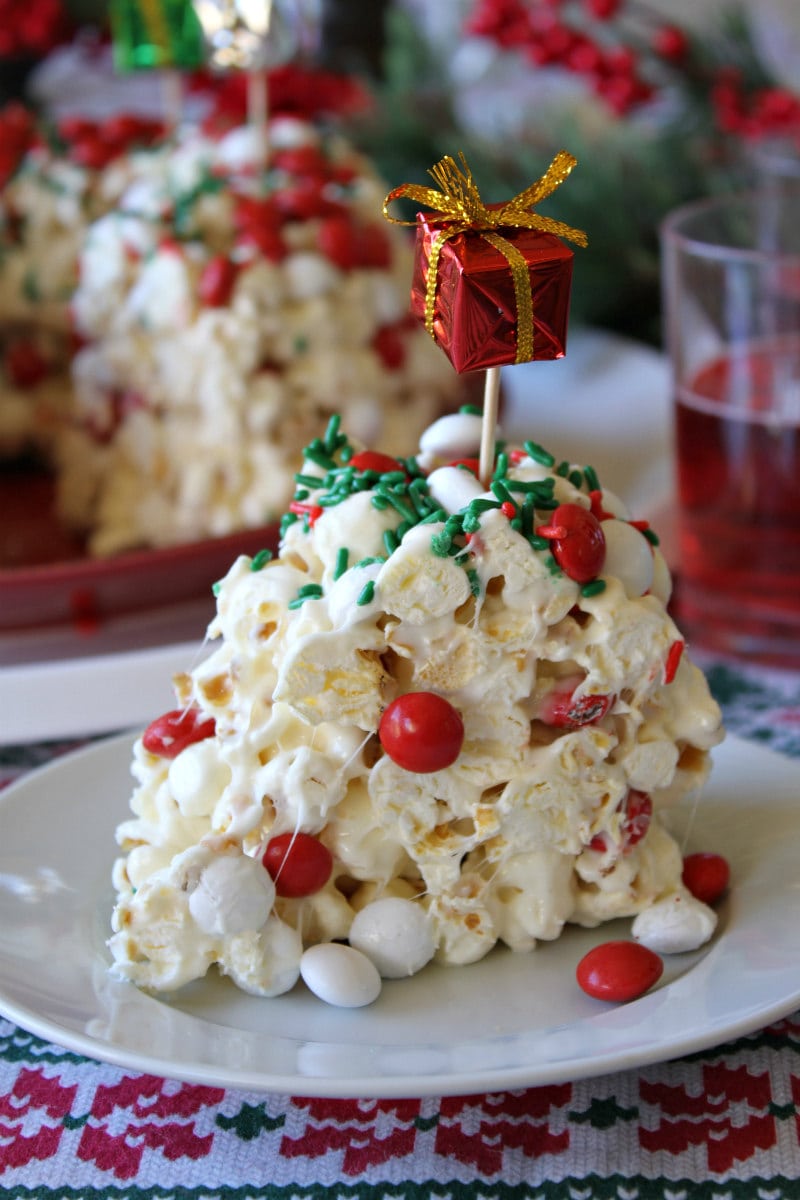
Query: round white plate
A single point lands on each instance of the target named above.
(507, 1022)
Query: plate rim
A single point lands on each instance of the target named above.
(466, 1081)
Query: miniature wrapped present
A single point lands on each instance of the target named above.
(491, 283)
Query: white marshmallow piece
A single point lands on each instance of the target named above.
(395, 934)
(454, 487)
(675, 925)
(340, 975)
(233, 894)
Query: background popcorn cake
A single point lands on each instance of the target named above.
(179, 318)
(446, 715)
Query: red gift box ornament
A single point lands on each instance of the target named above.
(491, 282)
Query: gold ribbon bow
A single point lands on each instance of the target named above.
(459, 204)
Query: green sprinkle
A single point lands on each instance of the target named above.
(527, 516)
(216, 588)
(501, 468)
(592, 482)
(474, 410)
(30, 287)
(539, 454)
(390, 540)
(562, 469)
(472, 523)
(501, 491)
(552, 565)
(309, 590)
(434, 517)
(533, 486)
(402, 529)
(576, 478)
(332, 433)
(367, 593)
(538, 543)
(546, 502)
(319, 457)
(342, 559)
(393, 477)
(474, 581)
(260, 560)
(516, 523)
(479, 505)
(380, 502)
(405, 512)
(368, 562)
(301, 493)
(593, 588)
(440, 544)
(652, 537)
(287, 519)
(309, 481)
(454, 523)
(461, 558)
(347, 453)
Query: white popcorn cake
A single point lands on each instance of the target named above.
(444, 716)
(220, 311)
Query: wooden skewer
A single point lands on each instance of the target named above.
(491, 399)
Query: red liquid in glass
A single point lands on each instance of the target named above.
(739, 490)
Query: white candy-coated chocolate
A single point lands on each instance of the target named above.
(454, 487)
(458, 435)
(340, 975)
(395, 934)
(628, 557)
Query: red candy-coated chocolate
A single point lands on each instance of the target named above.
(619, 971)
(373, 460)
(560, 708)
(174, 731)
(298, 864)
(421, 732)
(216, 281)
(638, 809)
(579, 544)
(471, 464)
(24, 365)
(706, 875)
(338, 239)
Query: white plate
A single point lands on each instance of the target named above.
(96, 694)
(510, 1021)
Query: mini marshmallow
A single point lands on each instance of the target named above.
(234, 894)
(675, 925)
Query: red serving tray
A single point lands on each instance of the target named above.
(46, 577)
